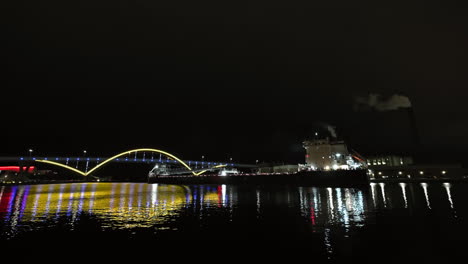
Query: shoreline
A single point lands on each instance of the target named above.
(249, 180)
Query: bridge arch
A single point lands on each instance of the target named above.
(167, 154)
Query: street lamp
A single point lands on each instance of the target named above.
(203, 158)
(30, 152)
(84, 153)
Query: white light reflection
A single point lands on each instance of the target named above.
(342, 209)
(330, 204)
(123, 196)
(173, 190)
(327, 242)
(154, 194)
(348, 200)
(223, 193)
(330, 198)
(202, 199)
(358, 207)
(36, 200)
(317, 201)
(74, 207)
(1, 192)
(17, 209)
(80, 201)
(59, 203)
(130, 197)
(70, 200)
(258, 202)
(424, 186)
(301, 199)
(373, 194)
(449, 194)
(140, 190)
(49, 195)
(382, 188)
(403, 190)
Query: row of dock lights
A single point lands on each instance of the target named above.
(420, 172)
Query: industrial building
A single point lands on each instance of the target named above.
(403, 167)
(389, 160)
(415, 172)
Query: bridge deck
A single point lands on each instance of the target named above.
(124, 160)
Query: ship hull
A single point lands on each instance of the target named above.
(322, 178)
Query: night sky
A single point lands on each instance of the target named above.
(248, 80)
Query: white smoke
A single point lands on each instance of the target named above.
(332, 131)
(379, 103)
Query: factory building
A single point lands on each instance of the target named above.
(389, 160)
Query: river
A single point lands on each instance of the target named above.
(395, 220)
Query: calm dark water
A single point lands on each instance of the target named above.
(384, 221)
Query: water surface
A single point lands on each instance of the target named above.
(394, 220)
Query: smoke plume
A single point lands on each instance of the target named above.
(380, 103)
(332, 131)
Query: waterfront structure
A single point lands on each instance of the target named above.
(418, 172)
(389, 160)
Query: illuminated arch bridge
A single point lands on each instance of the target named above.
(205, 166)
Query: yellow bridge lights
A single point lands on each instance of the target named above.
(123, 154)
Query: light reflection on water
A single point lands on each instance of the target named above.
(126, 206)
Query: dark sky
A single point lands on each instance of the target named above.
(249, 79)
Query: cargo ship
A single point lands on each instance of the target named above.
(327, 162)
(338, 178)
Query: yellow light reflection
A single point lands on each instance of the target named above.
(133, 203)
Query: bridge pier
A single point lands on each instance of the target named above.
(24, 167)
